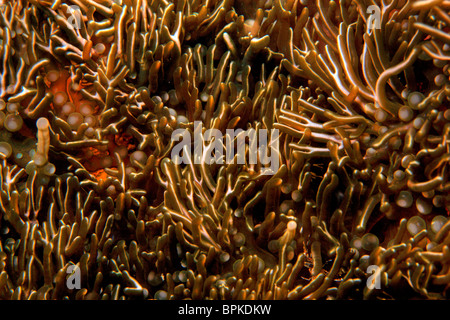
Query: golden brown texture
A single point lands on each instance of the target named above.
(364, 149)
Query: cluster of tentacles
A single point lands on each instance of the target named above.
(92, 90)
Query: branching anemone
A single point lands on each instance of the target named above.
(91, 92)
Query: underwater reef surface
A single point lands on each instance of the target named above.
(92, 205)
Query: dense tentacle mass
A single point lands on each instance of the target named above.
(91, 93)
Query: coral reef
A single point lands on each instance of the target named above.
(92, 90)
